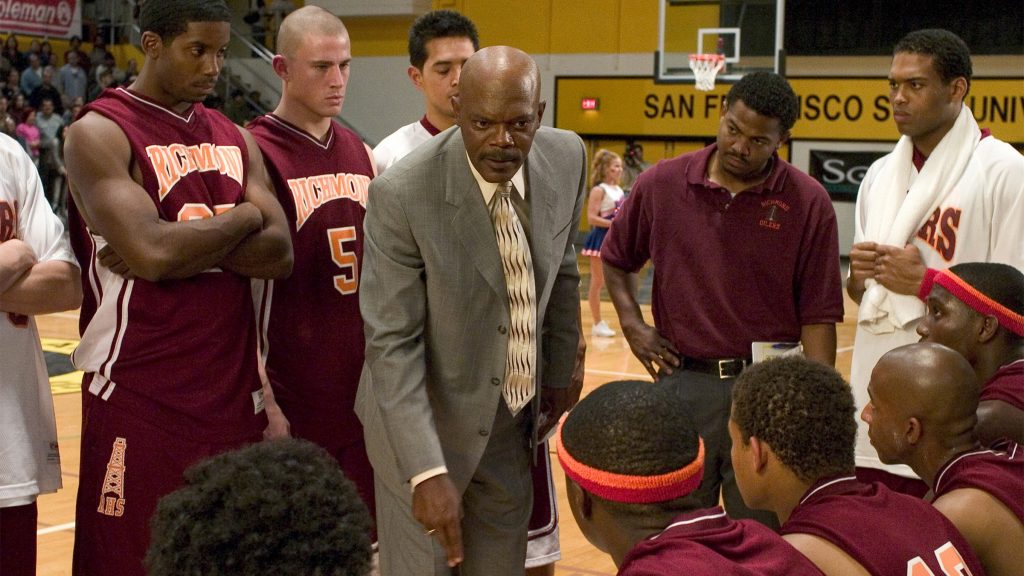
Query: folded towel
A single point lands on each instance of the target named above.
(899, 209)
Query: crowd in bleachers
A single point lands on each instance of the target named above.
(41, 93)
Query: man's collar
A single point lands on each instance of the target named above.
(488, 188)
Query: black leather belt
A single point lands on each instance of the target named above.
(721, 367)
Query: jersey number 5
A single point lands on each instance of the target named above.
(949, 558)
(348, 281)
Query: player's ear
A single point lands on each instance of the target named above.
(988, 329)
(456, 107)
(280, 65)
(759, 452)
(416, 75)
(913, 430)
(151, 43)
(959, 87)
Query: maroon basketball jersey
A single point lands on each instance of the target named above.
(179, 353)
(311, 329)
(709, 542)
(999, 473)
(886, 532)
(1007, 384)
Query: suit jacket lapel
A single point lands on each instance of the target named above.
(542, 197)
(472, 222)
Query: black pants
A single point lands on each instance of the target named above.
(710, 401)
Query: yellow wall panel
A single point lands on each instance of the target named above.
(590, 28)
(638, 26)
(525, 24)
(379, 35)
(682, 23)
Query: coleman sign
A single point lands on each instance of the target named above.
(54, 18)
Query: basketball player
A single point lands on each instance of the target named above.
(310, 521)
(977, 309)
(793, 431)
(178, 213)
(439, 44)
(950, 192)
(312, 332)
(922, 413)
(38, 275)
(632, 459)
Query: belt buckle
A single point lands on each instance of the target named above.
(722, 364)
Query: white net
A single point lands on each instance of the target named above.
(705, 67)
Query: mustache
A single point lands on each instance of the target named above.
(510, 156)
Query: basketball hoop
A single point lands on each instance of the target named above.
(705, 67)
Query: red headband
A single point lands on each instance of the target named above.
(974, 299)
(633, 489)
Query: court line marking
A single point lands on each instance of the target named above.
(622, 374)
(57, 528)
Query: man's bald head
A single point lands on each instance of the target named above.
(500, 68)
(498, 110)
(306, 21)
(923, 392)
(931, 381)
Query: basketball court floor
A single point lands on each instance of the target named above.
(608, 359)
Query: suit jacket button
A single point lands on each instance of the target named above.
(484, 432)
(501, 329)
(495, 381)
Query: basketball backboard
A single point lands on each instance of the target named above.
(748, 33)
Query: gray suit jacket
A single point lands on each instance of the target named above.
(435, 308)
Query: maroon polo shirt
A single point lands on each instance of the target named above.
(728, 270)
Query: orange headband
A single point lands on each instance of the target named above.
(631, 489)
(974, 299)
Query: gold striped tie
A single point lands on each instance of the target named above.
(518, 266)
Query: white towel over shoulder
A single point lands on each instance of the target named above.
(902, 208)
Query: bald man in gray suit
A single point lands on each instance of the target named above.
(450, 450)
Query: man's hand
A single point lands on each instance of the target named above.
(862, 261)
(654, 351)
(554, 402)
(900, 269)
(277, 423)
(437, 506)
(16, 257)
(112, 260)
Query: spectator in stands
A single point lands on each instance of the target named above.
(18, 106)
(47, 90)
(51, 168)
(7, 122)
(237, 109)
(29, 135)
(110, 63)
(12, 84)
(32, 76)
(46, 55)
(99, 52)
(75, 47)
(72, 79)
(105, 80)
(13, 54)
(71, 114)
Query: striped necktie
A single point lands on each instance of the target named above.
(521, 359)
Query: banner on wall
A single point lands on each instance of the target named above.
(850, 109)
(838, 166)
(51, 18)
